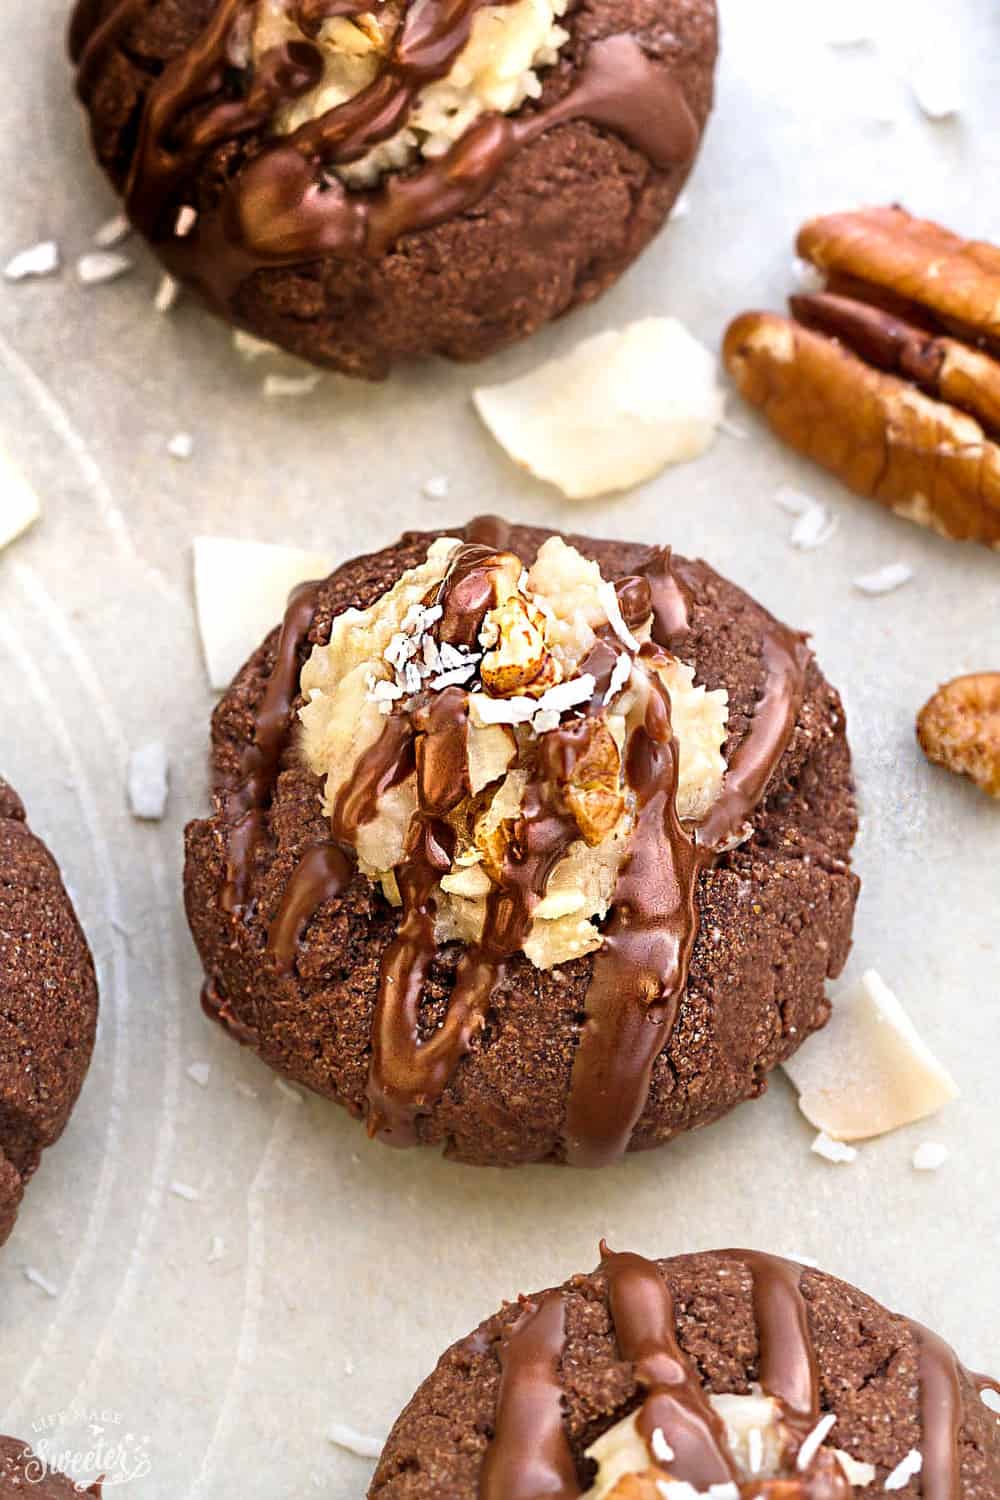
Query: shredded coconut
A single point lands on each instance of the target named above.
(148, 781)
(181, 445)
(884, 580)
(814, 1442)
(662, 1450)
(167, 294)
(276, 387)
(99, 266)
(38, 260)
(831, 1150)
(907, 1469)
(42, 1282)
(355, 1442)
(185, 1191)
(112, 232)
(929, 1156)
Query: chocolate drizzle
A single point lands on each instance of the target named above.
(245, 801)
(530, 1457)
(323, 874)
(282, 206)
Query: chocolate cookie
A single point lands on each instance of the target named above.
(523, 861)
(730, 1375)
(48, 1015)
(22, 1474)
(359, 186)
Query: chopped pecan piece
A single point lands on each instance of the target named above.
(922, 458)
(891, 377)
(960, 728)
(911, 262)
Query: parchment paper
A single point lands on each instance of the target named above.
(347, 1268)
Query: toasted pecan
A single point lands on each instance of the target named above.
(959, 727)
(955, 281)
(885, 439)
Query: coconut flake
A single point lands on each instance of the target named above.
(568, 694)
(814, 1442)
(19, 505)
(486, 710)
(884, 580)
(907, 1469)
(792, 501)
(620, 674)
(608, 596)
(147, 781)
(241, 590)
(42, 1282)
(868, 1072)
(755, 1450)
(99, 266)
(217, 1249)
(199, 1073)
(813, 528)
(249, 347)
(354, 1441)
(187, 218)
(185, 1191)
(181, 445)
(929, 1156)
(858, 1474)
(437, 487)
(112, 232)
(38, 260)
(167, 294)
(450, 679)
(662, 1450)
(613, 412)
(278, 387)
(832, 1150)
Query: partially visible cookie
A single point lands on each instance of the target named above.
(24, 1475)
(728, 1375)
(48, 1004)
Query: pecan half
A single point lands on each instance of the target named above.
(913, 263)
(885, 439)
(889, 378)
(959, 727)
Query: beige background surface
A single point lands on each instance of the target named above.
(347, 1268)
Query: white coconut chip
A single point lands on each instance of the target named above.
(907, 1469)
(100, 266)
(199, 1073)
(662, 1450)
(814, 1442)
(148, 781)
(437, 487)
(868, 1072)
(251, 348)
(187, 218)
(37, 260)
(884, 580)
(241, 590)
(813, 528)
(568, 694)
(283, 387)
(19, 505)
(832, 1150)
(167, 294)
(990, 1399)
(755, 1450)
(112, 232)
(185, 1191)
(354, 1441)
(608, 596)
(42, 1282)
(929, 1156)
(181, 446)
(858, 1474)
(216, 1250)
(485, 710)
(612, 412)
(620, 674)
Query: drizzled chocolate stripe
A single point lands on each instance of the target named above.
(244, 804)
(642, 1310)
(529, 1457)
(282, 207)
(519, 1461)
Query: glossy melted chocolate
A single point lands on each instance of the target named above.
(641, 971)
(282, 206)
(530, 1459)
